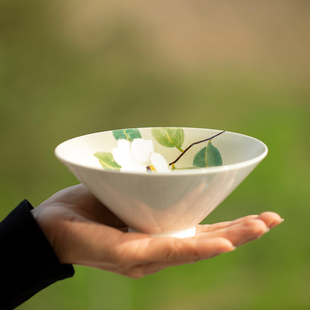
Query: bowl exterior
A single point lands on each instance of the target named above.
(156, 204)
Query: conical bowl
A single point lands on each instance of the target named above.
(201, 167)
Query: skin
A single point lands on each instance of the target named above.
(83, 231)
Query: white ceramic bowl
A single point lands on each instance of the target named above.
(168, 203)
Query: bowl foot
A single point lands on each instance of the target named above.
(184, 233)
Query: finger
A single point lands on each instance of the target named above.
(271, 219)
(213, 227)
(242, 232)
(163, 253)
(172, 250)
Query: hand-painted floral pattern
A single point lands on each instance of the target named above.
(135, 154)
(139, 155)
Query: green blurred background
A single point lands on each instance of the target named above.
(69, 68)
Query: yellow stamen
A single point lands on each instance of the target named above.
(150, 168)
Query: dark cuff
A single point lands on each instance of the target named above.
(28, 263)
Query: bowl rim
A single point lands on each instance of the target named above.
(206, 170)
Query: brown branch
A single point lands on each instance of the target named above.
(193, 145)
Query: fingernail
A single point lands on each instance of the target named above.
(232, 248)
(276, 224)
(225, 251)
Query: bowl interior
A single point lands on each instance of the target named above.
(233, 148)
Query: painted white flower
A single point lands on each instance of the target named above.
(139, 155)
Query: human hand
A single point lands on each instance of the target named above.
(83, 231)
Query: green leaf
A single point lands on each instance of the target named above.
(107, 161)
(209, 156)
(169, 137)
(128, 134)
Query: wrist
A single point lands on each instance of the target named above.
(43, 222)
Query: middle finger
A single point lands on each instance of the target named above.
(242, 232)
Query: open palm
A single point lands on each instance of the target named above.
(83, 231)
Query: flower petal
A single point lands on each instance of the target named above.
(141, 150)
(122, 154)
(133, 167)
(159, 162)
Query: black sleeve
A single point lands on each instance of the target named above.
(28, 263)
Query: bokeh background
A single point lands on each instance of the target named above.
(69, 68)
